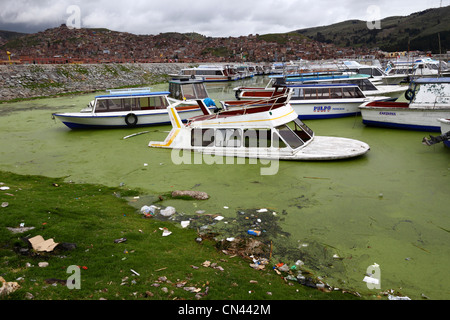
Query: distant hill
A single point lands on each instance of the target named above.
(6, 36)
(419, 30)
(100, 45)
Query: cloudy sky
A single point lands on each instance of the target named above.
(216, 18)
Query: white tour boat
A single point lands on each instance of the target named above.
(429, 101)
(138, 107)
(370, 89)
(209, 73)
(265, 130)
(319, 101)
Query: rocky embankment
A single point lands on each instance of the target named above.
(29, 81)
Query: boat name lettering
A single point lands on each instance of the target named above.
(385, 113)
(322, 108)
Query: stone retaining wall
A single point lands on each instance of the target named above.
(28, 81)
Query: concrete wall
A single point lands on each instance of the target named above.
(27, 81)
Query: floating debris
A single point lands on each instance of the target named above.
(198, 195)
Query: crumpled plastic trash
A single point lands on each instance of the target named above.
(391, 297)
(165, 231)
(167, 212)
(148, 210)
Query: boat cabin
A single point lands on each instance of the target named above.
(130, 100)
(331, 91)
(429, 92)
(187, 89)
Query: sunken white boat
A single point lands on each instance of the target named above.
(267, 129)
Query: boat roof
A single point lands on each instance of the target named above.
(185, 81)
(133, 94)
(433, 80)
(313, 85)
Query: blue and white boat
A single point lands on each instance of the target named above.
(138, 107)
(429, 101)
(322, 101)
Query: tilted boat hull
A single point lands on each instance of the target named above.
(321, 148)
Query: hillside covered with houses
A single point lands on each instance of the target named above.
(65, 45)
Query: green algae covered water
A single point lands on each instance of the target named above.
(387, 207)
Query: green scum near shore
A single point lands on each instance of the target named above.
(143, 265)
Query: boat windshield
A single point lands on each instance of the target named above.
(295, 134)
(131, 104)
(189, 91)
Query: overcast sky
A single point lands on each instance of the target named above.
(215, 18)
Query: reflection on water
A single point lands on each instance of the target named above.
(341, 217)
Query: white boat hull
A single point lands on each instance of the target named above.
(323, 109)
(404, 118)
(82, 120)
(319, 149)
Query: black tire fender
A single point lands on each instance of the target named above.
(131, 119)
(409, 94)
(237, 93)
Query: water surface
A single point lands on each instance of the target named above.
(387, 207)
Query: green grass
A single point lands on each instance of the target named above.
(92, 217)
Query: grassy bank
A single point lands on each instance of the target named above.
(146, 265)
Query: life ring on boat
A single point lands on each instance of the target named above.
(131, 120)
(409, 94)
(237, 93)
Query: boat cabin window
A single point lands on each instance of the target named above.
(153, 102)
(202, 138)
(228, 137)
(257, 138)
(200, 91)
(116, 105)
(201, 72)
(131, 104)
(295, 133)
(327, 93)
(249, 138)
(188, 91)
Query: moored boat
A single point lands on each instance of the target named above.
(138, 107)
(429, 101)
(322, 101)
(209, 73)
(319, 101)
(268, 130)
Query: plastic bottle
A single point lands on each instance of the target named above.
(254, 232)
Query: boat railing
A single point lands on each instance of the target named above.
(129, 90)
(269, 102)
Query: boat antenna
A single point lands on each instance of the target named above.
(439, 38)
